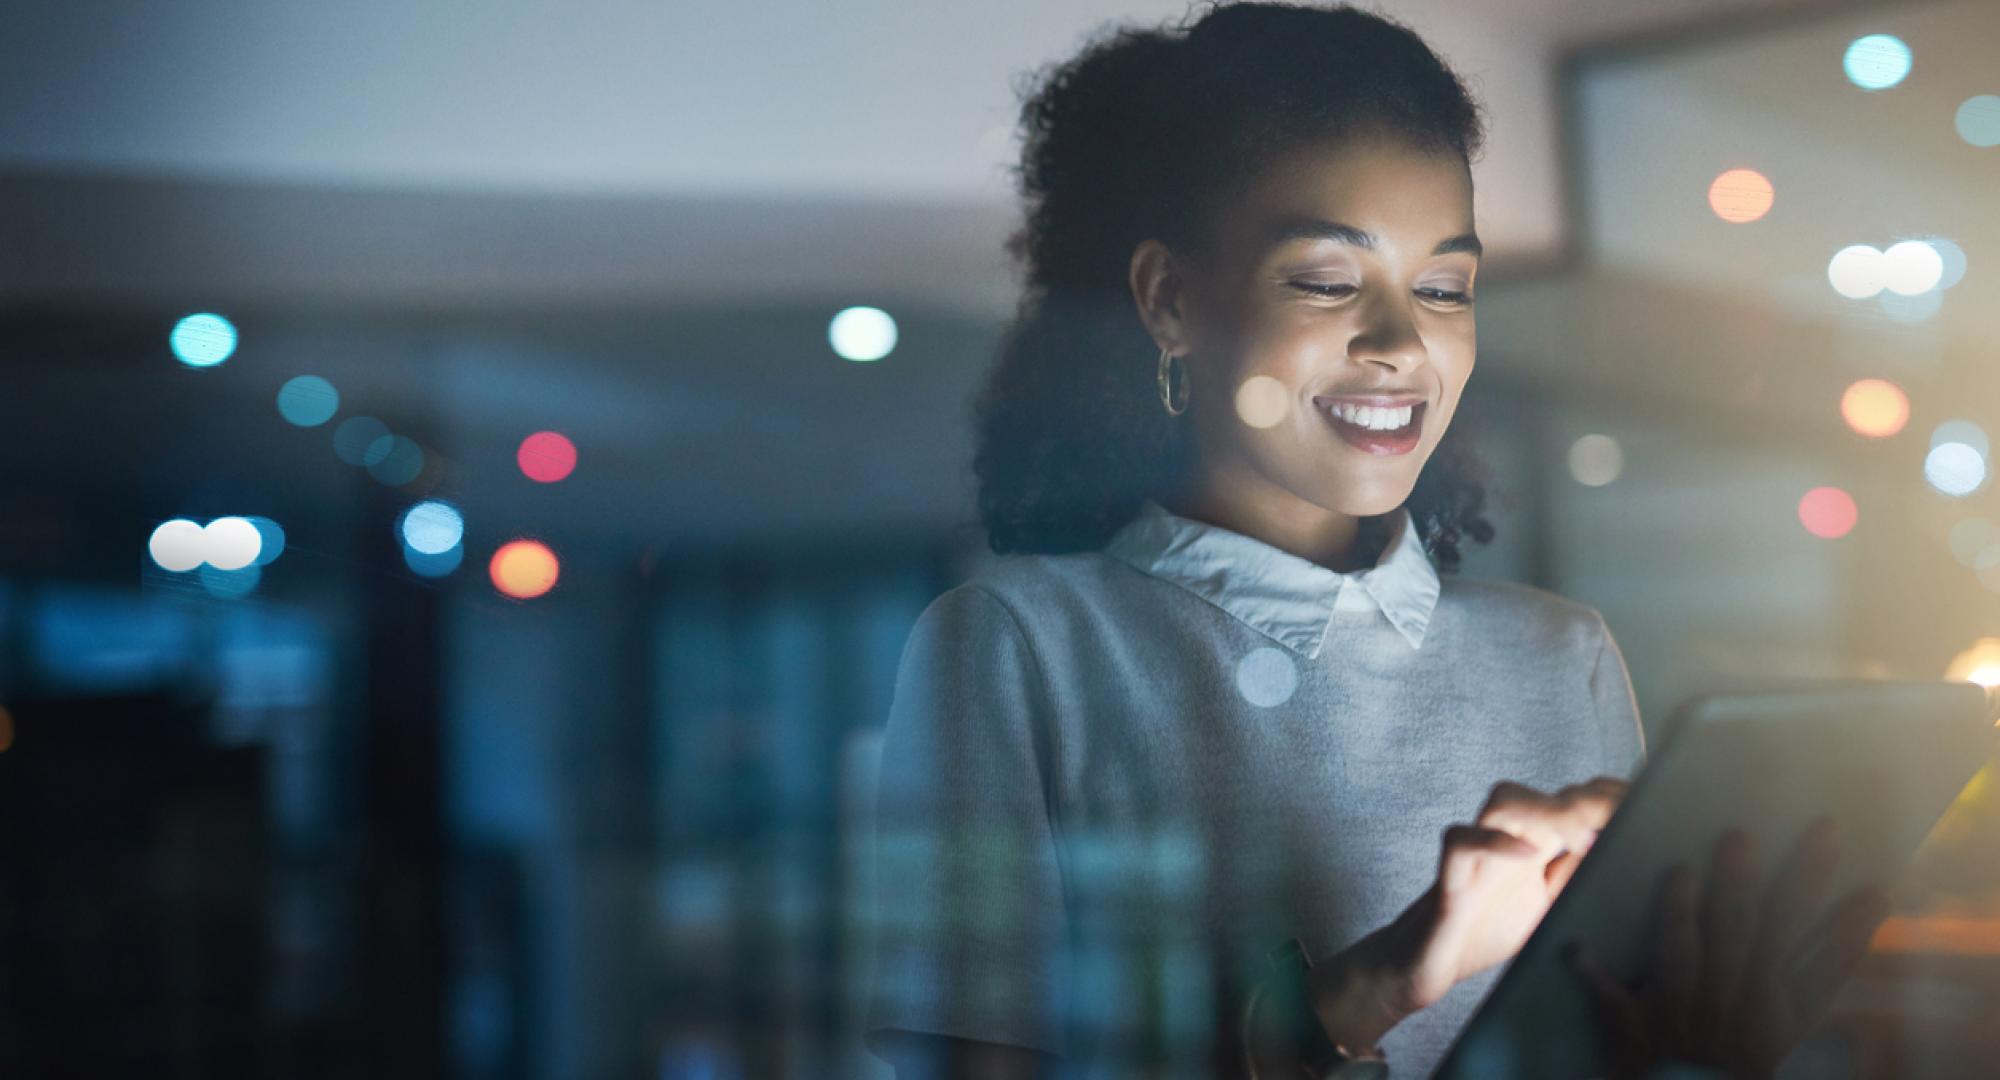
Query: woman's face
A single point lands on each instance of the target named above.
(1330, 335)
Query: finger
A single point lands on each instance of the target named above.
(1676, 961)
(1518, 809)
(1618, 1011)
(1467, 847)
(1565, 821)
(1726, 924)
(1796, 893)
(1560, 870)
(1833, 951)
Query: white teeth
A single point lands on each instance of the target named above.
(1378, 419)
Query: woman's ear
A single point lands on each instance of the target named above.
(1159, 290)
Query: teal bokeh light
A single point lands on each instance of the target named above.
(308, 401)
(203, 340)
(1876, 62)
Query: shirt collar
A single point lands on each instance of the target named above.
(1288, 598)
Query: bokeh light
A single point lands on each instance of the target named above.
(271, 539)
(1978, 120)
(1910, 309)
(1876, 62)
(434, 566)
(1266, 677)
(229, 584)
(177, 545)
(1911, 267)
(357, 437)
(1876, 408)
(1978, 664)
(546, 456)
(1857, 271)
(230, 543)
(1951, 255)
(1971, 537)
(1828, 512)
(432, 527)
(308, 401)
(1986, 566)
(1262, 401)
(1955, 468)
(202, 340)
(1596, 460)
(524, 569)
(862, 333)
(1739, 196)
(394, 459)
(1961, 431)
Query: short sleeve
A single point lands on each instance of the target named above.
(970, 932)
(1617, 708)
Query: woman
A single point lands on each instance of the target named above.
(1216, 696)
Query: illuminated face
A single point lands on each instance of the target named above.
(1331, 335)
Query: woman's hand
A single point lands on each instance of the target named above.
(1496, 878)
(1734, 976)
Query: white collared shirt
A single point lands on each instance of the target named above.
(1111, 779)
(1292, 599)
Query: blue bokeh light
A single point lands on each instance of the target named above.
(437, 565)
(203, 340)
(273, 536)
(308, 401)
(432, 527)
(357, 437)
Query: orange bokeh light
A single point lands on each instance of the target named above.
(1740, 195)
(524, 569)
(1828, 512)
(1876, 408)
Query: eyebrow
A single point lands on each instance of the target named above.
(1286, 230)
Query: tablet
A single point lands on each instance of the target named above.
(1885, 758)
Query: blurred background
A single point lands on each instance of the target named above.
(473, 467)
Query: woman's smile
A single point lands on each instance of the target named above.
(1374, 429)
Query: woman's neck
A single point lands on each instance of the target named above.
(1337, 541)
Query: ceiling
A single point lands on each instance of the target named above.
(460, 152)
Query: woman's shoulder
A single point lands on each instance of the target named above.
(1519, 610)
(1033, 579)
(1032, 588)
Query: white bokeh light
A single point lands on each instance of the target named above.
(1857, 271)
(1266, 677)
(231, 543)
(1911, 267)
(862, 333)
(1955, 468)
(1596, 460)
(177, 545)
(1262, 401)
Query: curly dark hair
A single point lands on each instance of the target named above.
(1145, 133)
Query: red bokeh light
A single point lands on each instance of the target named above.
(1828, 512)
(546, 456)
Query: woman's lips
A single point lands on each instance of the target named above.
(1371, 440)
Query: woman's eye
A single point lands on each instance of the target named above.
(1449, 297)
(1320, 288)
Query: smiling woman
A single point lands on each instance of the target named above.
(1215, 696)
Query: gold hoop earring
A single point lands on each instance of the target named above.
(1166, 381)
